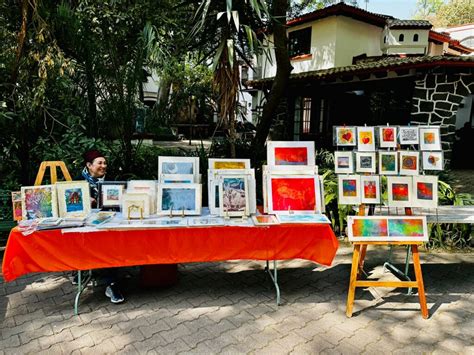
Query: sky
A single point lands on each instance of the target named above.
(402, 9)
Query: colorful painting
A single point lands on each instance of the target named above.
(432, 160)
(178, 199)
(234, 196)
(408, 135)
(388, 137)
(229, 164)
(365, 139)
(430, 138)
(345, 136)
(402, 227)
(370, 189)
(110, 194)
(344, 163)
(365, 162)
(283, 153)
(39, 202)
(303, 218)
(297, 194)
(349, 189)
(16, 206)
(291, 156)
(400, 191)
(265, 220)
(388, 163)
(387, 228)
(74, 200)
(370, 228)
(425, 191)
(409, 163)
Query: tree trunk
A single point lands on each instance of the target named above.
(281, 79)
(92, 128)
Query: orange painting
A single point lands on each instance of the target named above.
(296, 194)
(366, 137)
(291, 156)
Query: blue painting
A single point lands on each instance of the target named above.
(73, 200)
(179, 199)
(233, 199)
(177, 168)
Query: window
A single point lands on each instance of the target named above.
(306, 115)
(415, 37)
(401, 38)
(300, 42)
(384, 39)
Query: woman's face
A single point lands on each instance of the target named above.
(98, 167)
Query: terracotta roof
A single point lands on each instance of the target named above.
(440, 37)
(383, 65)
(396, 23)
(341, 9)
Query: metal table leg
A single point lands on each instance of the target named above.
(394, 270)
(274, 278)
(81, 285)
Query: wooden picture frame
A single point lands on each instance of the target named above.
(365, 139)
(290, 153)
(136, 205)
(39, 202)
(179, 199)
(74, 200)
(345, 136)
(349, 190)
(409, 162)
(432, 160)
(425, 191)
(400, 191)
(387, 228)
(234, 195)
(387, 136)
(228, 164)
(110, 194)
(343, 162)
(388, 163)
(178, 166)
(408, 135)
(430, 138)
(370, 189)
(366, 162)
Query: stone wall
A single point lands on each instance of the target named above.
(436, 99)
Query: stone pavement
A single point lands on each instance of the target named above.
(229, 307)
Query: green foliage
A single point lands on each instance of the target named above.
(443, 13)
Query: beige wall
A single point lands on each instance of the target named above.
(408, 46)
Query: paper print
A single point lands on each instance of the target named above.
(430, 138)
(179, 199)
(400, 192)
(178, 168)
(370, 228)
(291, 156)
(425, 191)
(303, 218)
(297, 194)
(388, 163)
(343, 162)
(408, 135)
(403, 227)
(345, 136)
(409, 163)
(432, 160)
(234, 197)
(229, 165)
(290, 153)
(388, 137)
(73, 200)
(349, 188)
(39, 202)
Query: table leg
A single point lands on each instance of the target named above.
(419, 280)
(81, 285)
(352, 282)
(363, 252)
(274, 278)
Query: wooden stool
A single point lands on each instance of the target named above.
(52, 165)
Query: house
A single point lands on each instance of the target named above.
(354, 67)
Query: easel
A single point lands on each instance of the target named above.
(360, 250)
(52, 165)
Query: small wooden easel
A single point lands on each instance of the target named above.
(52, 165)
(360, 249)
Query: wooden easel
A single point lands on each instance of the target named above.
(52, 165)
(360, 249)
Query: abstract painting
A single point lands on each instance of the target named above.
(303, 218)
(406, 227)
(408, 135)
(283, 153)
(179, 165)
(387, 228)
(16, 206)
(373, 227)
(365, 162)
(365, 139)
(409, 163)
(399, 191)
(432, 160)
(39, 201)
(179, 199)
(265, 219)
(430, 138)
(370, 186)
(229, 163)
(349, 189)
(233, 196)
(388, 137)
(110, 194)
(345, 136)
(425, 191)
(388, 163)
(343, 162)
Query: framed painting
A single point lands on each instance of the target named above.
(179, 166)
(136, 205)
(349, 190)
(265, 219)
(147, 187)
(39, 202)
(387, 137)
(432, 160)
(291, 153)
(370, 189)
(409, 162)
(179, 199)
(408, 135)
(343, 162)
(16, 206)
(74, 199)
(365, 139)
(234, 195)
(430, 138)
(345, 136)
(110, 194)
(293, 194)
(228, 164)
(365, 162)
(303, 218)
(387, 228)
(388, 163)
(176, 179)
(400, 191)
(425, 191)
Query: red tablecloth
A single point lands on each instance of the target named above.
(53, 250)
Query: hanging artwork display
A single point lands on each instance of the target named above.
(73, 199)
(288, 194)
(408, 135)
(400, 191)
(110, 194)
(387, 137)
(388, 163)
(343, 163)
(16, 206)
(345, 136)
(409, 162)
(432, 160)
(179, 165)
(290, 153)
(370, 189)
(365, 162)
(365, 139)
(234, 195)
(136, 205)
(349, 189)
(425, 191)
(228, 164)
(39, 201)
(387, 228)
(430, 138)
(179, 199)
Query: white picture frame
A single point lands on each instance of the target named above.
(234, 195)
(343, 162)
(388, 163)
(205, 221)
(136, 205)
(430, 138)
(370, 189)
(31, 202)
(317, 218)
(400, 191)
(432, 160)
(348, 190)
(110, 194)
(290, 153)
(366, 162)
(409, 162)
(228, 164)
(144, 186)
(408, 135)
(74, 199)
(387, 136)
(366, 139)
(265, 220)
(425, 191)
(345, 136)
(178, 166)
(176, 179)
(293, 170)
(179, 199)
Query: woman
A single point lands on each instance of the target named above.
(93, 172)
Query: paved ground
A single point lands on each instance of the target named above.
(229, 307)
